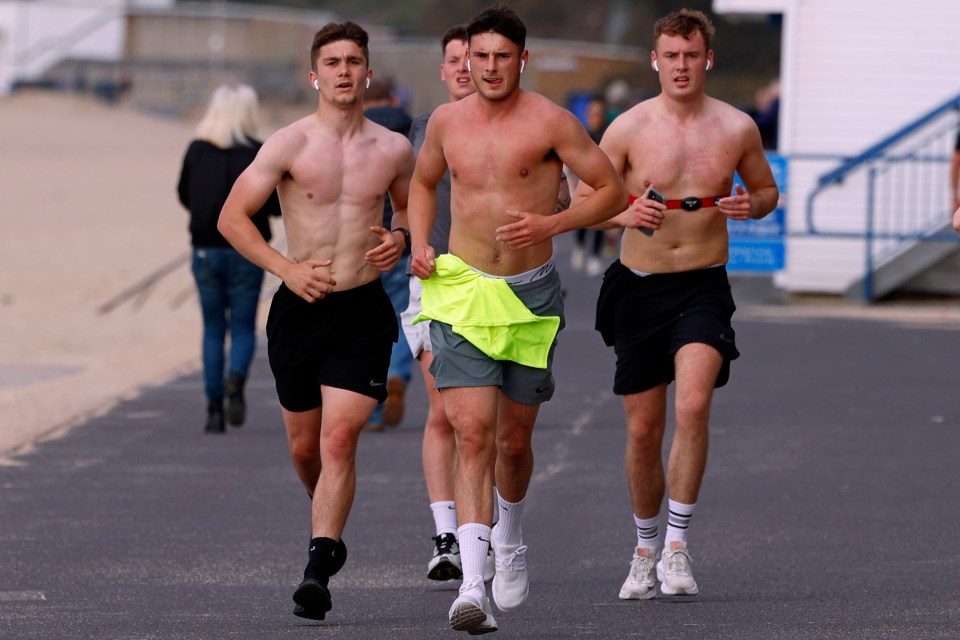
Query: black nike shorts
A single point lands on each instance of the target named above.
(646, 319)
(343, 340)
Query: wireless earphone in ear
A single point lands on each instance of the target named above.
(316, 85)
(522, 65)
(709, 64)
(368, 82)
(655, 66)
(468, 65)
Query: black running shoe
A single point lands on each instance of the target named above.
(313, 600)
(445, 564)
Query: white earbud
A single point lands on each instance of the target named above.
(709, 64)
(316, 85)
(522, 65)
(655, 67)
(368, 82)
(468, 65)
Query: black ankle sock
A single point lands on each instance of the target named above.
(327, 557)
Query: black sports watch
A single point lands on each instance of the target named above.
(406, 236)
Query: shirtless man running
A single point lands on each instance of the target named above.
(505, 149)
(331, 325)
(665, 305)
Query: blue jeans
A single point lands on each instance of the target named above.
(229, 287)
(396, 282)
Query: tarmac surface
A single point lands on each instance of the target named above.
(826, 511)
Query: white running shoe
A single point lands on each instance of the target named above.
(675, 571)
(641, 582)
(578, 258)
(471, 612)
(595, 267)
(511, 584)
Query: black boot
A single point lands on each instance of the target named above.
(214, 417)
(236, 407)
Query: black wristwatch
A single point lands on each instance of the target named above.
(406, 236)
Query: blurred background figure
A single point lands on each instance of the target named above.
(227, 283)
(588, 243)
(766, 113)
(380, 104)
(955, 175)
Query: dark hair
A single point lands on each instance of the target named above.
(457, 32)
(501, 20)
(333, 32)
(684, 23)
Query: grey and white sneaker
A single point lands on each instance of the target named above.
(675, 571)
(471, 610)
(445, 563)
(641, 582)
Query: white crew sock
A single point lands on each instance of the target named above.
(474, 541)
(648, 531)
(444, 516)
(509, 531)
(678, 521)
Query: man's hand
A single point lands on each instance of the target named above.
(529, 229)
(736, 207)
(384, 256)
(424, 261)
(642, 213)
(309, 279)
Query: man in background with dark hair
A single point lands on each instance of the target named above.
(380, 106)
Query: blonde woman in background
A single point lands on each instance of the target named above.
(227, 283)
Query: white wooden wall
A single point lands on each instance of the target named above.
(852, 73)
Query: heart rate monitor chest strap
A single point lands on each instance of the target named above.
(688, 204)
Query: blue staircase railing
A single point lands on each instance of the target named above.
(905, 179)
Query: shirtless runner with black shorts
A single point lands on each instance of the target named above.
(331, 325)
(665, 306)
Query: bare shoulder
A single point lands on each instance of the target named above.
(396, 144)
(290, 138)
(731, 116)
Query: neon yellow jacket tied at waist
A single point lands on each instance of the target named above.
(487, 313)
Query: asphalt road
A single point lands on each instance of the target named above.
(828, 510)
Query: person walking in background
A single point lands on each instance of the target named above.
(380, 106)
(331, 326)
(227, 283)
(587, 252)
(665, 306)
(495, 300)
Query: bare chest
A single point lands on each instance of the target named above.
(357, 174)
(683, 163)
(497, 156)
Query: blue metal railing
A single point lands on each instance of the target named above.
(905, 188)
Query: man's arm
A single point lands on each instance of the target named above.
(385, 256)
(422, 207)
(575, 148)
(761, 193)
(955, 177)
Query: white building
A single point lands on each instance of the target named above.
(853, 73)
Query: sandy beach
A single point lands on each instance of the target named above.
(90, 211)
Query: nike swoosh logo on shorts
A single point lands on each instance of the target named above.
(542, 389)
(373, 383)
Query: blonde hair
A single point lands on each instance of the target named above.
(231, 117)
